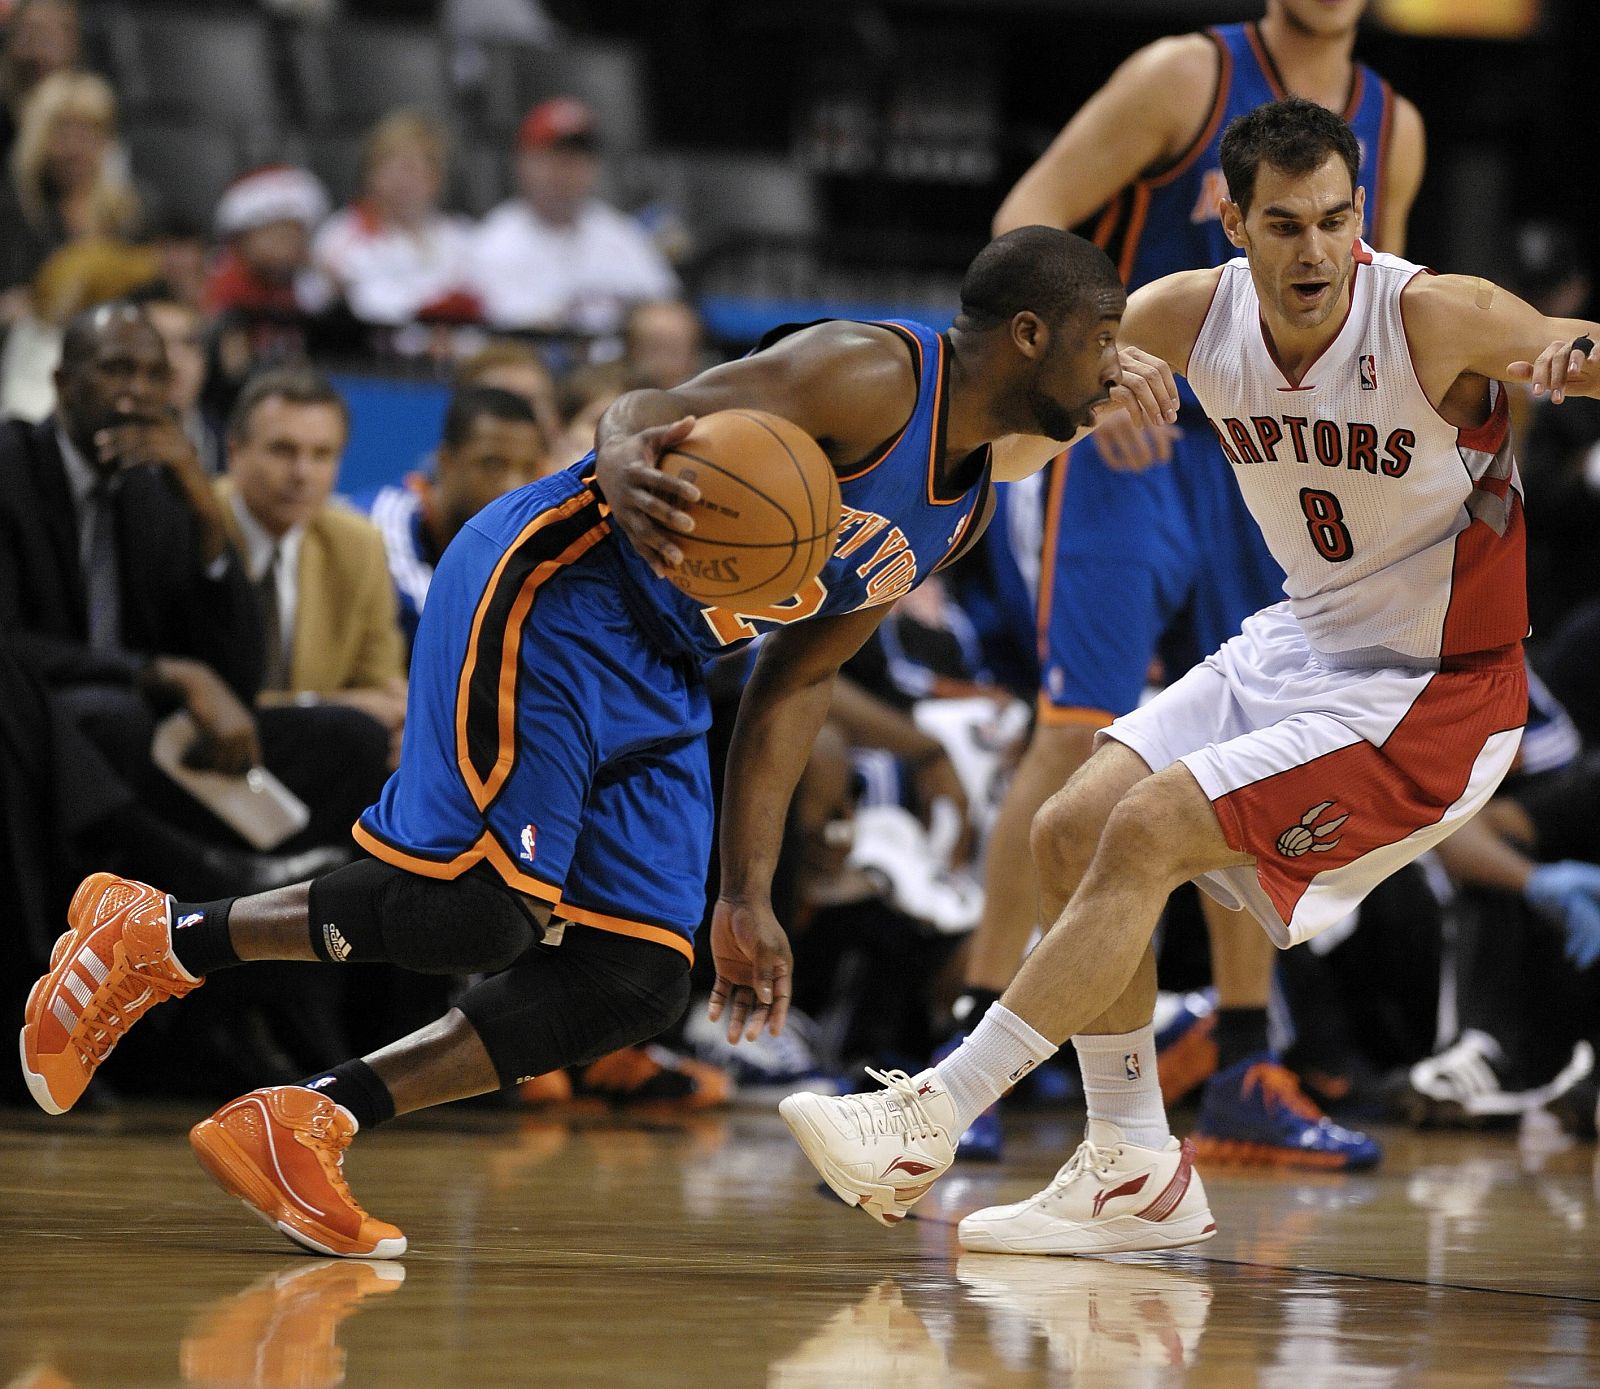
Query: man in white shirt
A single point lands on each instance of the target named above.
(556, 257)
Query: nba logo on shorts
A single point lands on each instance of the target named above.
(1130, 1065)
(529, 837)
(1369, 371)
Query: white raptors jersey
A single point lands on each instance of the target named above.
(1401, 535)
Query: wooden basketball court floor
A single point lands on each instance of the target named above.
(603, 1250)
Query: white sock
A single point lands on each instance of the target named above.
(1121, 1085)
(998, 1052)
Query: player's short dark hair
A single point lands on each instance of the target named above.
(1041, 270)
(299, 385)
(471, 403)
(1294, 136)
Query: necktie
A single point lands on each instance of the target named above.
(276, 673)
(101, 584)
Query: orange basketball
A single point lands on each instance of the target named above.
(768, 512)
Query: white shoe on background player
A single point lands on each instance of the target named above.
(882, 1150)
(1110, 1198)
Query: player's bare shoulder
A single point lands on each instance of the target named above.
(853, 383)
(1444, 316)
(1165, 316)
(1173, 79)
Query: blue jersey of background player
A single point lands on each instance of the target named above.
(1132, 551)
(1128, 552)
(554, 731)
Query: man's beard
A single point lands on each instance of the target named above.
(1054, 420)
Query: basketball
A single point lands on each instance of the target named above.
(768, 512)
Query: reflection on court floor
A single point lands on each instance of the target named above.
(590, 1250)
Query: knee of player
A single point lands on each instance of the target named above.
(1063, 835)
(1163, 829)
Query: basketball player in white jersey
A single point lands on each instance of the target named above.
(1339, 736)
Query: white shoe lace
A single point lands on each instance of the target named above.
(897, 1108)
(1088, 1158)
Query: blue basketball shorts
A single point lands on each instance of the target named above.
(545, 735)
(1125, 554)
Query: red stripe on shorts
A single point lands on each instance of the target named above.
(1387, 792)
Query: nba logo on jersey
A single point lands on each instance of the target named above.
(1369, 371)
(529, 837)
(1130, 1065)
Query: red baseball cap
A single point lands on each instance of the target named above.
(563, 120)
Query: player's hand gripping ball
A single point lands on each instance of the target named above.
(768, 514)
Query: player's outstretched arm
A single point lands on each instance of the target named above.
(783, 707)
(1460, 325)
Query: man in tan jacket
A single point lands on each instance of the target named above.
(333, 632)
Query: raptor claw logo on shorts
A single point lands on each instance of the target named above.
(1308, 837)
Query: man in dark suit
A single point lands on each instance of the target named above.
(120, 593)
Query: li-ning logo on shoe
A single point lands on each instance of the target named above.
(1369, 371)
(530, 839)
(1128, 1188)
(910, 1166)
(189, 919)
(1130, 1066)
(334, 939)
(1308, 837)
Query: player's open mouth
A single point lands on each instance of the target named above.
(1310, 292)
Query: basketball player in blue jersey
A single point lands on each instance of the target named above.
(1125, 553)
(550, 821)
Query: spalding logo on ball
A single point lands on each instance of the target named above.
(768, 514)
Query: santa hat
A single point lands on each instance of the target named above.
(276, 193)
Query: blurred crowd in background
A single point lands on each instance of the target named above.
(471, 204)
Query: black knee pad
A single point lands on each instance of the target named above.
(374, 911)
(570, 1004)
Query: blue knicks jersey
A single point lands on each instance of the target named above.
(1170, 221)
(895, 528)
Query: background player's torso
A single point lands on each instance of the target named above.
(1169, 221)
(896, 528)
(1401, 534)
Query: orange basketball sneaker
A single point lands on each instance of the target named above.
(113, 966)
(280, 1150)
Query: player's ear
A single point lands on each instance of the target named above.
(1233, 222)
(1361, 210)
(1030, 335)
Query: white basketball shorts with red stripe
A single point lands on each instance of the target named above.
(1331, 778)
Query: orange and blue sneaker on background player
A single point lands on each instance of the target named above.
(281, 1150)
(1254, 1112)
(112, 966)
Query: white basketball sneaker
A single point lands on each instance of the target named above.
(880, 1151)
(1110, 1198)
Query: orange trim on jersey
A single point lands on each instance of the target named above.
(1047, 551)
(1138, 211)
(623, 927)
(1107, 224)
(936, 435)
(1389, 793)
(1219, 104)
(1058, 715)
(487, 848)
(1269, 70)
(887, 449)
(484, 789)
